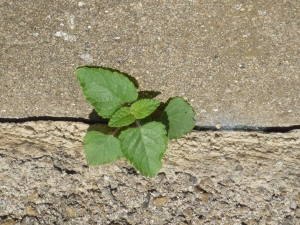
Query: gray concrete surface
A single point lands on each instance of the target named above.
(231, 178)
(236, 62)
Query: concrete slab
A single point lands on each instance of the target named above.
(207, 178)
(236, 62)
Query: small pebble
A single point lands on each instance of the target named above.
(160, 201)
(293, 205)
(297, 214)
(218, 126)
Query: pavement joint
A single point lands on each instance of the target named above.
(218, 127)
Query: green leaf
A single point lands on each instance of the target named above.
(101, 148)
(144, 107)
(144, 147)
(105, 90)
(122, 117)
(178, 117)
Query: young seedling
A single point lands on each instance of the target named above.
(115, 97)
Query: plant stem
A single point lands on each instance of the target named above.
(138, 123)
(115, 131)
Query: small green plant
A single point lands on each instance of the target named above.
(115, 97)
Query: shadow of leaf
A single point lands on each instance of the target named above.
(148, 94)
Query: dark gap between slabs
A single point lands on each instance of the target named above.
(197, 128)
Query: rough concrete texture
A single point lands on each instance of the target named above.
(207, 178)
(236, 62)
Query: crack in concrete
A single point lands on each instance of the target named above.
(67, 171)
(278, 129)
(275, 129)
(53, 118)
